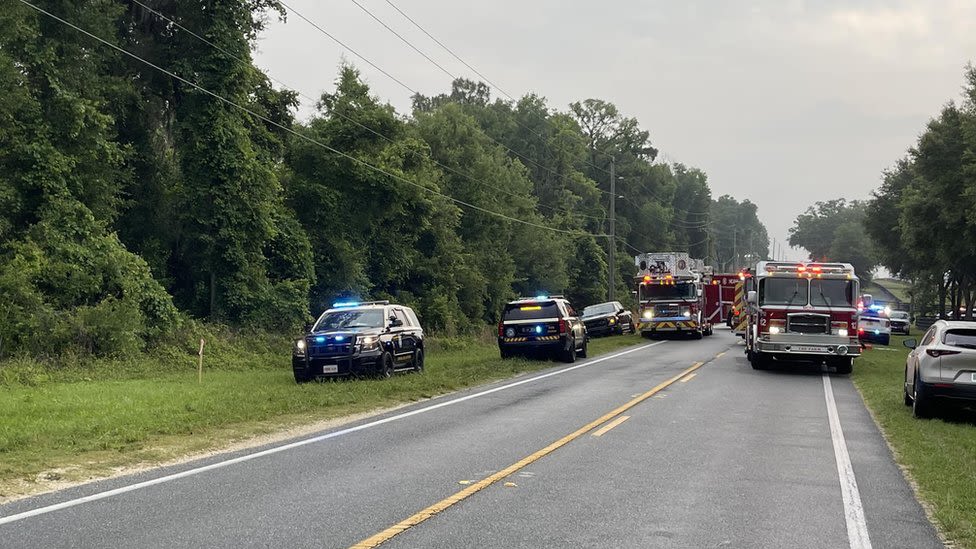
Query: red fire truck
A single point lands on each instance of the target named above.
(720, 297)
(803, 311)
(669, 294)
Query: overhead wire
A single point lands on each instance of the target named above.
(356, 122)
(463, 62)
(296, 133)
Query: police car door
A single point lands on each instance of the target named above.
(404, 342)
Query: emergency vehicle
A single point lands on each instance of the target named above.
(669, 295)
(720, 297)
(874, 320)
(803, 311)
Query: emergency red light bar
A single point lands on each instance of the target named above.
(809, 269)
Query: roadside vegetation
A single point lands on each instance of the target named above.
(74, 423)
(939, 455)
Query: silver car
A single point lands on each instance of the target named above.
(942, 367)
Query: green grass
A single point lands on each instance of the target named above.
(81, 421)
(939, 454)
(897, 287)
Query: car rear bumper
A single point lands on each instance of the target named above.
(533, 343)
(950, 390)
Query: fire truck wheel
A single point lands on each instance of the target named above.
(844, 365)
(698, 335)
(757, 360)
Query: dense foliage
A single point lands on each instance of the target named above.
(131, 201)
(833, 230)
(922, 216)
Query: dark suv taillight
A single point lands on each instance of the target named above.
(562, 326)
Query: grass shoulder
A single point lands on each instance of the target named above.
(66, 423)
(939, 455)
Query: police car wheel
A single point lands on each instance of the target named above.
(570, 355)
(418, 360)
(386, 366)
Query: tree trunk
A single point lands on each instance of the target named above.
(943, 287)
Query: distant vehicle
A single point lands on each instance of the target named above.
(546, 325)
(901, 322)
(608, 318)
(670, 296)
(873, 323)
(719, 299)
(802, 311)
(355, 338)
(942, 367)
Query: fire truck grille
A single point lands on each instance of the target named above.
(667, 311)
(808, 324)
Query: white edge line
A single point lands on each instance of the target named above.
(297, 444)
(857, 527)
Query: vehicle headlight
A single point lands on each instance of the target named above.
(774, 329)
(300, 347)
(648, 314)
(612, 321)
(842, 332)
(509, 332)
(687, 313)
(370, 342)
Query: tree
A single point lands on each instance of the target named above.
(834, 230)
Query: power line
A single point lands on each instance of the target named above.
(295, 133)
(417, 93)
(465, 63)
(356, 122)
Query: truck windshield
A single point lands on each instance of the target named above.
(601, 309)
(831, 293)
(783, 291)
(656, 292)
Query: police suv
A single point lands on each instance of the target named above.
(355, 338)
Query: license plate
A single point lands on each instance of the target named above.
(330, 369)
(803, 349)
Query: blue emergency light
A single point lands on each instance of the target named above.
(542, 296)
(340, 338)
(342, 304)
(539, 329)
(320, 339)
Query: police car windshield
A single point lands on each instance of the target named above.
(530, 311)
(831, 293)
(601, 309)
(899, 315)
(681, 290)
(352, 319)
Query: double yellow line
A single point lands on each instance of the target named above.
(429, 512)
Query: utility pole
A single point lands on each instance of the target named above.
(613, 237)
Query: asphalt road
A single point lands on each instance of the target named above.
(721, 457)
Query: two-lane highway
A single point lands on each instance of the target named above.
(672, 443)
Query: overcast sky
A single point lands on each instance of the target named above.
(782, 102)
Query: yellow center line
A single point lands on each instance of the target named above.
(600, 432)
(410, 522)
(688, 377)
(720, 354)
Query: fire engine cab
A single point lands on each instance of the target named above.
(669, 293)
(803, 312)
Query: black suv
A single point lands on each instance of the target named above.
(360, 338)
(542, 325)
(608, 318)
